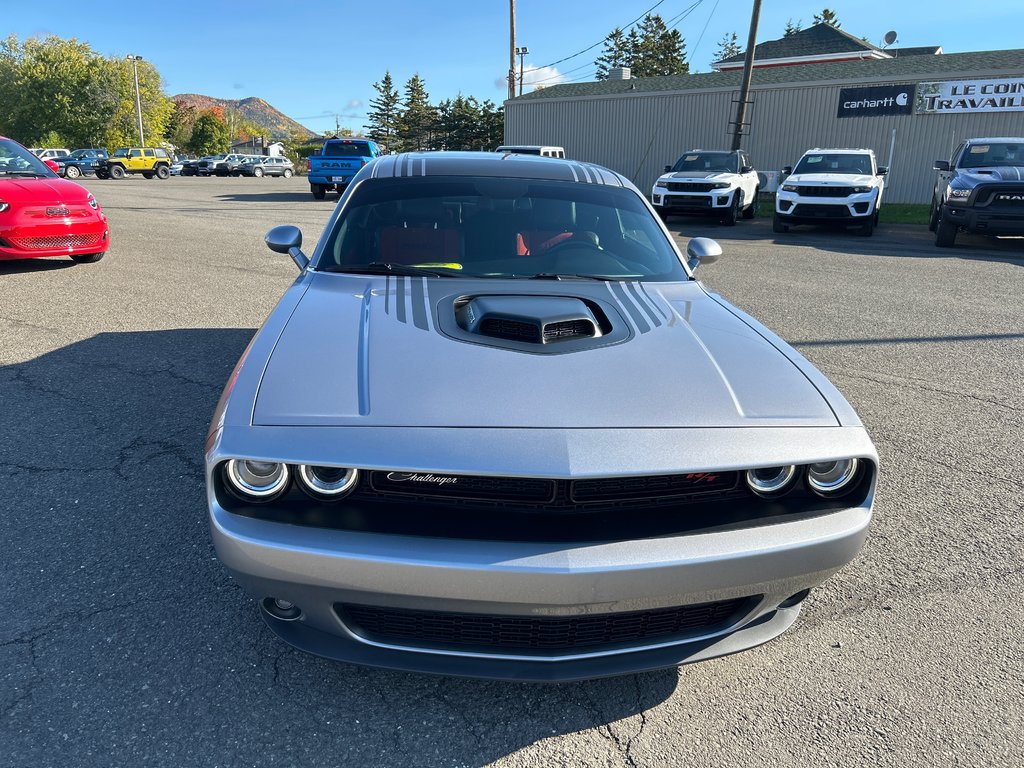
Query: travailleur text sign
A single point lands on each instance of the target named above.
(876, 100)
(997, 95)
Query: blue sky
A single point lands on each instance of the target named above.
(316, 60)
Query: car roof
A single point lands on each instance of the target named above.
(997, 140)
(495, 165)
(840, 151)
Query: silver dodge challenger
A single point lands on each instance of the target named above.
(496, 428)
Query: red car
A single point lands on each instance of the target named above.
(42, 214)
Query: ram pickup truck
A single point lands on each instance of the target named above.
(980, 189)
(339, 160)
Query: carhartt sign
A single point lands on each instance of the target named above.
(998, 95)
(876, 100)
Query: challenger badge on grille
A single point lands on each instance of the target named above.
(57, 211)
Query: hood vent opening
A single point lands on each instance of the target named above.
(531, 319)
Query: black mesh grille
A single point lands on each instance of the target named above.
(501, 633)
(824, 191)
(822, 211)
(1007, 197)
(569, 329)
(658, 486)
(516, 330)
(675, 186)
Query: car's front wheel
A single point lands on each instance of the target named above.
(162, 172)
(116, 172)
(87, 258)
(287, 173)
(945, 233)
(933, 220)
(257, 172)
(778, 225)
(868, 227)
(751, 210)
(734, 211)
(72, 172)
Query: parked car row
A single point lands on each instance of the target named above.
(979, 189)
(235, 164)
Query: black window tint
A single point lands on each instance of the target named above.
(347, 149)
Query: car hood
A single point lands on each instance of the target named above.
(696, 175)
(41, 190)
(831, 179)
(367, 351)
(983, 175)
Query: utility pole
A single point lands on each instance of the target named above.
(748, 70)
(521, 52)
(135, 59)
(511, 49)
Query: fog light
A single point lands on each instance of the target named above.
(770, 481)
(327, 482)
(832, 478)
(256, 480)
(281, 609)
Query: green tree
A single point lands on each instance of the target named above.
(492, 126)
(827, 16)
(617, 53)
(791, 28)
(417, 116)
(658, 50)
(382, 125)
(210, 135)
(728, 46)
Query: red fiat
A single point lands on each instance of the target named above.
(42, 214)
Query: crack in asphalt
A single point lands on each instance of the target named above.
(918, 384)
(605, 729)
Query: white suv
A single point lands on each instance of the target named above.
(706, 183)
(831, 186)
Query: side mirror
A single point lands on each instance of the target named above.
(882, 170)
(746, 168)
(787, 170)
(668, 169)
(288, 239)
(941, 165)
(52, 165)
(702, 250)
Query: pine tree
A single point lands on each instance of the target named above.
(383, 116)
(728, 46)
(827, 16)
(417, 116)
(792, 29)
(656, 49)
(616, 53)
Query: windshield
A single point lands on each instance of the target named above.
(121, 153)
(707, 161)
(992, 155)
(834, 163)
(500, 228)
(79, 153)
(346, 149)
(15, 160)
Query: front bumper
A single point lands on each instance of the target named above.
(58, 238)
(716, 202)
(984, 221)
(801, 209)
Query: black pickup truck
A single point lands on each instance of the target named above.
(980, 189)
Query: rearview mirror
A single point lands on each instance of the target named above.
(288, 239)
(941, 165)
(702, 250)
(746, 169)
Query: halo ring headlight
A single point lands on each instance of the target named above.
(257, 480)
(770, 481)
(327, 482)
(832, 478)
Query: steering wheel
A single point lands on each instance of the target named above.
(573, 242)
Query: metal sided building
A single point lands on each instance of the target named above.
(932, 102)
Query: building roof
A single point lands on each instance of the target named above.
(921, 50)
(902, 68)
(813, 41)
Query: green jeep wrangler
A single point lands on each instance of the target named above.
(149, 161)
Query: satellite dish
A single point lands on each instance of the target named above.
(890, 37)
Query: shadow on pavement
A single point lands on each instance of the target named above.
(48, 264)
(279, 197)
(125, 642)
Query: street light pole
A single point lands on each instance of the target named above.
(511, 49)
(135, 59)
(521, 52)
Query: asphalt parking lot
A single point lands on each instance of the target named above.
(123, 642)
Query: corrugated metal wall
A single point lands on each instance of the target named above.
(637, 135)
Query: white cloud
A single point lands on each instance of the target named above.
(543, 77)
(354, 104)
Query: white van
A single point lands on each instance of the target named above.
(532, 149)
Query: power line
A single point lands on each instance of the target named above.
(599, 42)
(704, 30)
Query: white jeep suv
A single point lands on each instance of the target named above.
(831, 186)
(706, 183)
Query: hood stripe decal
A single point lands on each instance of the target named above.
(363, 363)
(653, 301)
(419, 303)
(629, 307)
(642, 303)
(400, 299)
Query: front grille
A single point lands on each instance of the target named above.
(821, 211)
(56, 241)
(1003, 196)
(807, 191)
(555, 495)
(676, 186)
(687, 201)
(514, 330)
(540, 634)
(569, 329)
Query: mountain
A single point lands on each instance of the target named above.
(255, 109)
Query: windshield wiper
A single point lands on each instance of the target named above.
(386, 268)
(572, 276)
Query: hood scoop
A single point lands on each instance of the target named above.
(529, 319)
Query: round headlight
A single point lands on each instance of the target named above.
(832, 478)
(256, 480)
(327, 482)
(770, 481)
